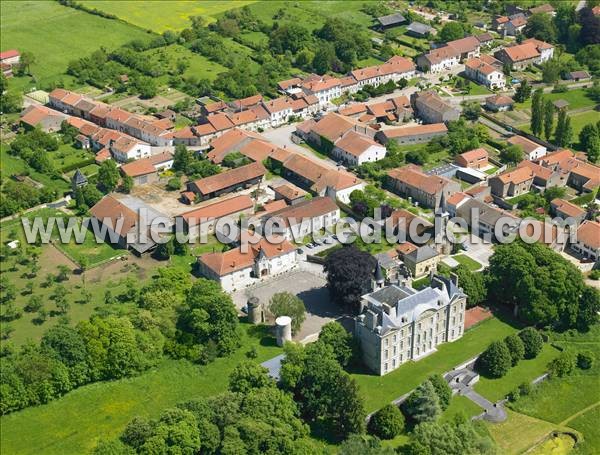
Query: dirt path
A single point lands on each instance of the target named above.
(577, 414)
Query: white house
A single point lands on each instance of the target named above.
(588, 240)
(483, 71)
(325, 88)
(354, 149)
(533, 150)
(126, 148)
(304, 218)
(240, 267)
(279, 110)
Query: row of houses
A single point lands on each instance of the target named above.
(556, 169)
(156, 132)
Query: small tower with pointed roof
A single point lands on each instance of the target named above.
(378, 278)
(78, 180)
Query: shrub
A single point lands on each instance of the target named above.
(525, 389)
(514, 395)
(562, 365)
(585, 360)
(532, 342)
(174, 184)
(387, 423)
(595, 274)
(515, 347)
(495, 361)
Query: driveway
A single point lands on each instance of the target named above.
(282, 137)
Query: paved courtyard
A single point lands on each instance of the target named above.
(310, 287)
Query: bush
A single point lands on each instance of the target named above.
(532, 342)
(514, 395)
(585, 360)
(525, 389)
(387, 423)
(515, 347)
(495, 361)
(595, 274)
(174, 184)
(563, 365)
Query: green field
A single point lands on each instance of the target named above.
(577, 98)
(55, 34)
(519, 432)
(12, 165)
(159, 16)
(380, 390)
(460, 405)
(198, 65)
(75, 423)
(468, 262)
(578, 121)
(587, 423)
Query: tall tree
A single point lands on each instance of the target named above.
(537, 115)
(349, 274)
(541, 26)
(287, 304)
(423, 405)
(495, 361)
(108, 175)
(564, 131)
(523, 92)
(548, 119)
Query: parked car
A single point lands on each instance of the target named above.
(300, 251)
(309, 245)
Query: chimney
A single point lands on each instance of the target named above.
(454, 278)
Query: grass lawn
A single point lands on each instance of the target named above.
(587, 423)
(68, 155)
(471, 264)
(56, 34)
(94, 252)
(10, 165)
(460, 405)
(314, 151)
(477, 89)
(198, 65)
(524, 371)
(161, 16)
(519, 432)
(578, 121)
(491, 170)
(74, 423)
(576, 98)
(380, 390)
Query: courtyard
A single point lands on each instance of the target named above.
(308, 286)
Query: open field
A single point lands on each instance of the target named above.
(198, 65)
(578, 121)
(577, 98)
(74, 423)
(380, 390)
(587, 423)
(55, 35)
(161, 16)
(519, 432)
(460, 405)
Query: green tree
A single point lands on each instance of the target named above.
(541, 26)
(548, 119)
(563, 365)
(515, 347)
(423, 405)
(442, 389)
(523, 92)
(451, 31)
(287, 304)
(551, 71)
(209, 315)
(164, 250)
(387, 423)
(511, 154)
(127, 184)
(341, 341)
(537, 114)
(585, 359)
(587, 134)
(174, 184)
(532, 342)
(108, 175)
(358, 444)
(182, 158)
(564, 131)
(247, 376)
(473, 283)
(495, 361)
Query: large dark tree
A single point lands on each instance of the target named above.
(423, 405)
(387, 423)
(495, 361)
(349, 273)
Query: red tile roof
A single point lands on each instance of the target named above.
(145, 165)
(230, 178)
(218, 209)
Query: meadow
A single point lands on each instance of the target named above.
(56, 34)
(161, 16)
(75, 423)
(197, 65)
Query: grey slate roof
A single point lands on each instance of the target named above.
(390, 294)
(419, 28)
(422, 254)
(391, 19)
(78, 178)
